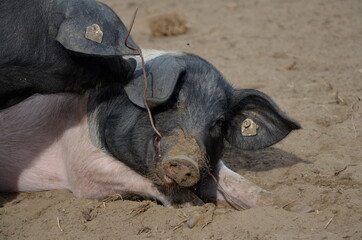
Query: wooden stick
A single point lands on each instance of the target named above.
(58, 222)
(144, 75)
(329, 222)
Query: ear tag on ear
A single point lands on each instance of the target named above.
(249, 128)
(94, 33)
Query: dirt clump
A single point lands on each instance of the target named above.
(169, 24)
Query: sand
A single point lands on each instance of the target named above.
(307, 55)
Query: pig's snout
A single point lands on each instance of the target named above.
(182, 169)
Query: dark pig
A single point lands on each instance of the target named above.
(59, 45)
(101, 143)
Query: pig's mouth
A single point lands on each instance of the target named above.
(175, 169)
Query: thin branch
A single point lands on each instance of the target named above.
(58, 223)
(329, 222)
(144, 75)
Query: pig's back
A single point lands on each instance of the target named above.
(34, 134)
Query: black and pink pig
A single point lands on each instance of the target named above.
(101, 143)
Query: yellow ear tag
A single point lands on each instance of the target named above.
(94, 33)
(249, 128)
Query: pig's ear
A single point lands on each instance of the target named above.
(255, 121)
(90, 27)
(162, 74)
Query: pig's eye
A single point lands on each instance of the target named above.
(220, 121)
(216, 127)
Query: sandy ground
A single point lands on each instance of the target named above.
(307, 55)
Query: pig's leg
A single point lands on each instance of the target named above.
(234, 188)
(98, 176)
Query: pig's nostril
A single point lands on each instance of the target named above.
(188, 174)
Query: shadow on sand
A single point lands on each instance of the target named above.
(7, 197)
(260, 160)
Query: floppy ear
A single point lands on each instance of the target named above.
(91, 27)
(163, 73)
(255, 121)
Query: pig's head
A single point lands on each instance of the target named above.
(194, 109)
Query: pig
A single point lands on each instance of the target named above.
(101, 143)
(60, 46)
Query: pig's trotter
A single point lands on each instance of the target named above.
(235, 188)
